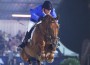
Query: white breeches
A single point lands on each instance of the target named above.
(31, 24)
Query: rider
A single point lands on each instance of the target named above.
(36, 15)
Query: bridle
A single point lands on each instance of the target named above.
(48, 36)
(51, 37)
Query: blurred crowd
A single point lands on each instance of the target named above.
(8, 48)
(9, 42)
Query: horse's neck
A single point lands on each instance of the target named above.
(40, 28)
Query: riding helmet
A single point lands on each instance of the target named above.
(47, 5)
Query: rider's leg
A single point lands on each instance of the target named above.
(25, 40)
(28, 34)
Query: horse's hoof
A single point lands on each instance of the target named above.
(49, 55)
(50, 60)
(42, 57)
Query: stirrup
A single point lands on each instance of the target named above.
(20, 49)
(30, 41)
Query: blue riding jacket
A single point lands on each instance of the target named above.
(37, 12)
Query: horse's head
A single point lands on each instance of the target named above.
(51, 27)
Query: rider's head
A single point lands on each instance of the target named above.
(47, 7)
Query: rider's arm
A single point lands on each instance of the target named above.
(35, 13)
(53, 13)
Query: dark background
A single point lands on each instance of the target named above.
(74, 23)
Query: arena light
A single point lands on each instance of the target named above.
(21, 15)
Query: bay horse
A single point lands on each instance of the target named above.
(44, 41)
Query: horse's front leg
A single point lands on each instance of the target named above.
(50, 56)
(42, 50)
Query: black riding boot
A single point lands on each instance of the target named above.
(25, 40)
(28, 36)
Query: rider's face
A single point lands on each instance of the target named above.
(46, 11)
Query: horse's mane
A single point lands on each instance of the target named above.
(48, 18)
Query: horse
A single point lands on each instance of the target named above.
(44, 41)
